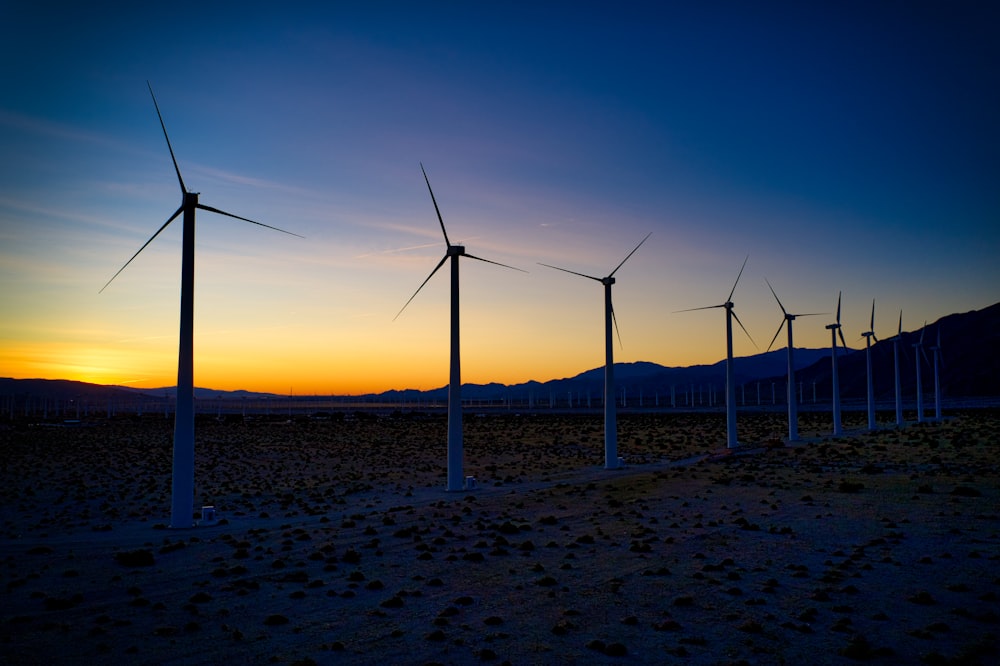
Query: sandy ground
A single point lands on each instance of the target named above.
(338, 544)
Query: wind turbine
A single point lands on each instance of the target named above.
(835, 330)
(868, 336)
(182, 485)
(610, 406)
(793, 417)
(919, 347)
(936, 351)
(731, 442)
(456, 482)
(895, 361)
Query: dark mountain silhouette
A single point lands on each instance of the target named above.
(969, 369)
(969, 361)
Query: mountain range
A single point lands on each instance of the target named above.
(969, 368)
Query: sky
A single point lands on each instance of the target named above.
(843, 147)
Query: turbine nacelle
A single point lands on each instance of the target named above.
(456, 250)
(607, 281)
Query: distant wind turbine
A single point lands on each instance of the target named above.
(610, 406)
(731, 441)
(919, 351)
(835, 330)
(793, 417)
(937, 355)
(182, 486)
(456, 481)
(895, 361)
(869, 335)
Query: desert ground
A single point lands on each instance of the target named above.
(336, 542)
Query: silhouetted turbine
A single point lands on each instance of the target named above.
(793, 417)
(731, 440)
(938, 358)
(182, 485)
(610, 400)
(869, 335)
(895, 363)
(919, 347)
(456, 481)
(835, 330)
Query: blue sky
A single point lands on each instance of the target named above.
(846, 146)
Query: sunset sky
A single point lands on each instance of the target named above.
(843, 146)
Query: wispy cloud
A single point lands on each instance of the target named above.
(397, 250)
(45, 127)
(259, 183)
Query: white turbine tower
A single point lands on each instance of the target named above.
(731, 440)
(895, 362)
(793, 416)
(182, 485)
(919, 351)
(456, 481)
(610, 407)
(835, 330)
(868, 336)
(937, 355)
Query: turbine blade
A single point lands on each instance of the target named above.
(566, 270)
(495, 263)
(738, 280)
(436, 209)
(922, 331)
(171, 219)
(169, 147)
(900, 331)
(614, 320)
(440, 264)
(776, 333)
(245, 219)
(744, 329)
(843, 343)
(783, 310)
(871, 325)
(838, 306)
(707, 307)
(611, 274)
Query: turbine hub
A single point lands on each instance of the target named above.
(607, 281)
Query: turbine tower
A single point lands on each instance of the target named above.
(835, 330)
(610, 406)
(793, 417)
(868, 336)
(182, 484)
(936, 351)
(919, 347)
(731, 441)
(456, 481)
(895, 361)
